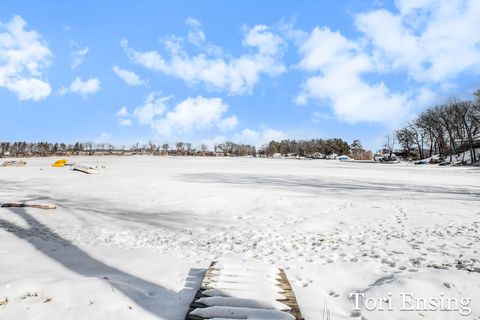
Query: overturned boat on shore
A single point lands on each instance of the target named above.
(85, 169)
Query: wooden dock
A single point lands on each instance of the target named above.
(243, 292)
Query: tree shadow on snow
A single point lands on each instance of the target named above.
(84, 207)
(159, 301)
(336, 186)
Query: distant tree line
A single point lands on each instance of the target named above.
(301, 148)
(315, 147)
(22, 148)
(235, 149)
(28, 149)
(446, 129)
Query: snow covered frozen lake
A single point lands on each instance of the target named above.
(131, 242)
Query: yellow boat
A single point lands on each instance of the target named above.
(60, 163)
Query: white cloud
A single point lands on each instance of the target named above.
(153, 107)
(257, 138)
(340, 64)
(23, 55)
(30, 88)
(195, 34)
(77, 55)
(190, 115)
(122, 112)
(428, 42)
(262, 38)
(130, 77)
(248, 135)
(426, 96)
(84, 88)
(272, 134)
(194, 114)
(432, 40)
(234, 75)
(228, 123)
(123, 117)
(324, 48)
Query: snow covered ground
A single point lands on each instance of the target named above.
(133, 241)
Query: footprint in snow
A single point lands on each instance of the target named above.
(355, 314)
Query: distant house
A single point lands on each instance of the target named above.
(389, 157)
(318, 155)
(459, 143)
(406, 154)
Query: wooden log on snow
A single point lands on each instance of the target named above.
(14, 163)
(26, 205)
(85, 169)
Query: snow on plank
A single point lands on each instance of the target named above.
(243, 292)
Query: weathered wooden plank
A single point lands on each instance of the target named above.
(284, 288)
(292, 300)
(26, 205)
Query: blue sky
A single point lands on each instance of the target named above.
(247, 71)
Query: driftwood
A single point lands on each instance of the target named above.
(14, 163)
(85, 169)
(3, 302)
(26, 205)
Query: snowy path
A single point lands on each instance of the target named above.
(150, 222)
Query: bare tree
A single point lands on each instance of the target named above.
(447, 129)
(188, 146)
(165, 147)
(406, 138)
(152, 147)
(464, 112)
(390, 144)
(204, 148)
(180, 147)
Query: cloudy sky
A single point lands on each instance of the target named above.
(247, 71)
